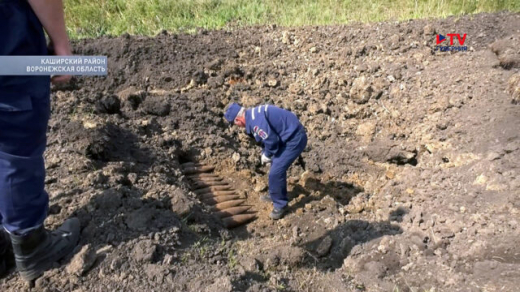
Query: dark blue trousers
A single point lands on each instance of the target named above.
(24, 115)
(281, 163)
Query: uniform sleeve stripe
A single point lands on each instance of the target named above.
(253, 112)
(259, 109)
(266, 107)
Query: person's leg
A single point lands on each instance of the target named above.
(24, 115)
(23, 200)
(6, 252)
(280, 164)
(278, 183)
(5, 244)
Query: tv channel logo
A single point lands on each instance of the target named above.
(451, 47)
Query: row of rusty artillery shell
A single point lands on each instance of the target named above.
(214, 191)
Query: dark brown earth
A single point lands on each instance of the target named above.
(410, 181)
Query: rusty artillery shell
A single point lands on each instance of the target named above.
(190, 164)
(221, 199)
(211, 179)
(216, 194)
(202, 175)
(211, 182)
(228, 204)
(223, 193)
(232, 211)
(237, 220)
(205, 179)
(199, 169)
(201, 182)
(202, 185)
(212, 189)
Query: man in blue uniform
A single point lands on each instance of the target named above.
(283, 139)
(24, 114)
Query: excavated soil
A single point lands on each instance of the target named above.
(410, 181)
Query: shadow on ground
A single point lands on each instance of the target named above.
(329, 251)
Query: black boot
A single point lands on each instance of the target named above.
(6, 253)
(38, 250)
(278, 213)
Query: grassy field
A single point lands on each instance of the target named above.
(87, 18)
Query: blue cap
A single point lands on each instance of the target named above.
(232, 112)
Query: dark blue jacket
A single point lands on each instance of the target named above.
(21, 34)
(272, 126)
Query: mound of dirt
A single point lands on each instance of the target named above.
(410, 180)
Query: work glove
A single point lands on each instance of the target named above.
(265, 159)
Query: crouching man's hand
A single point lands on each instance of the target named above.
(62, 50)
(50, 13)
(265, 159)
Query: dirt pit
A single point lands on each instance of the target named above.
(410, 181)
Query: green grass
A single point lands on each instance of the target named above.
(87, 18)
